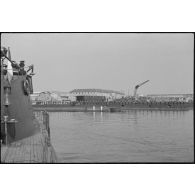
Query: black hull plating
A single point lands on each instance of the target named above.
(20, 109)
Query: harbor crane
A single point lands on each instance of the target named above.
(137, 86)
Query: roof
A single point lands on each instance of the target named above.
(95, 90)
(60, 93)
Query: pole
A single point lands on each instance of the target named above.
(6, 132)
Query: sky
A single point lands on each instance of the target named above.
(116, 61)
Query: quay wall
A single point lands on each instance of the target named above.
(107, 107)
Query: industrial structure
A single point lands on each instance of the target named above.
(96, 94)
(137, 86)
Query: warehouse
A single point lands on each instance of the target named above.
(96, 94)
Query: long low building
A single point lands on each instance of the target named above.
(171, 97)
(96, 94)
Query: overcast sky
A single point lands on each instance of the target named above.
(114, 61)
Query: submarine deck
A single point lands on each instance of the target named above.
(34, 149)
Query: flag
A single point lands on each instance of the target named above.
(9, 67)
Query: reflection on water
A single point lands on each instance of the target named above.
(133, 136)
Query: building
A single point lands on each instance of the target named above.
(88, 95)
(52, 96)
(96, 94)
(34, 96)
(47, 96)
(171, 97)
(66, 96)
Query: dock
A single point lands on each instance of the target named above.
(33, 149)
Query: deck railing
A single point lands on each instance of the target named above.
(43, 117)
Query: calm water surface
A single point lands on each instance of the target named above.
(133, 136)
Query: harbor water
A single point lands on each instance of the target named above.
(132, 136)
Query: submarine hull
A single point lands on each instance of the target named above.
(19, 109)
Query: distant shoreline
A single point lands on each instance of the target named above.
(114, 108)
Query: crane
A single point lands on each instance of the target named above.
(137, 86)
